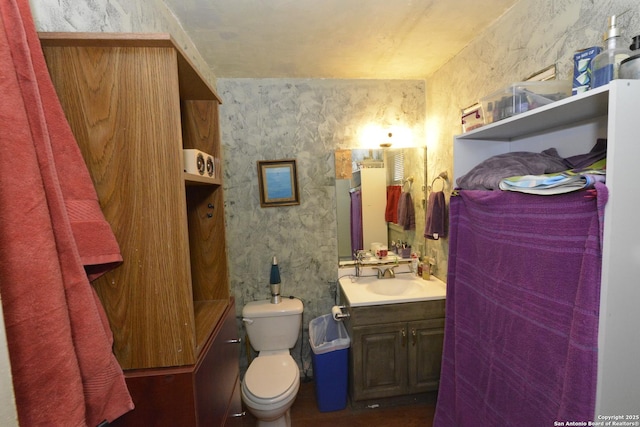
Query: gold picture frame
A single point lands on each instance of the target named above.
(278, 181)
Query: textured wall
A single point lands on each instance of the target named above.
(306, 120)
(531, 36)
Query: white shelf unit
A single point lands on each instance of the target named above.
(572, 125)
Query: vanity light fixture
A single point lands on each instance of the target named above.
(387, 143)
(378, 136)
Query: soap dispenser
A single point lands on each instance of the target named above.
(606, 64)
(274, 281)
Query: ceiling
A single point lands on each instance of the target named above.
(381, 39)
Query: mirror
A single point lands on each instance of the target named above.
(365, 180)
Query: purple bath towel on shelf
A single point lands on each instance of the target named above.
(523, 294)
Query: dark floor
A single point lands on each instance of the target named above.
(305, 413)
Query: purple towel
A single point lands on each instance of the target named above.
(406, 212)
(357, 236)
(523, 292)
(435, 222)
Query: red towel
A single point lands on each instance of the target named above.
(393, 197)
(64, 372)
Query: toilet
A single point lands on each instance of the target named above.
(272, 380)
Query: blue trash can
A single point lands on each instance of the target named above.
(330, 357)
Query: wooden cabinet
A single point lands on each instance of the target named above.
(397, 359)
(572, 125)
(425, 354)
(134, 102)
(396, 349)
(203, 395)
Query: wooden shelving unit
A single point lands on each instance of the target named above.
(134, 102)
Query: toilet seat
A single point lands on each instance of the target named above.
(270, 379)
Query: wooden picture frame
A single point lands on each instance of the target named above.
(278, 181)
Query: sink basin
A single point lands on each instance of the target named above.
(394, 287)
(369, 290)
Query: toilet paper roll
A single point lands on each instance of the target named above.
(336, 312)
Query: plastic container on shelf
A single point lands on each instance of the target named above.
(330, 358)
(522, 97)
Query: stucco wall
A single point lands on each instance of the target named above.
(306, 120)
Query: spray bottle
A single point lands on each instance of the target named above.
(606, 64)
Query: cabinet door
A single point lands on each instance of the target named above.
(380, 361)
(217, 374)
(425, 354)
(235, 415)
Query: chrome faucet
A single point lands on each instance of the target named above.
(359, 257)
(386, 273)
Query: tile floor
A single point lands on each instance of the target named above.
(305, 413)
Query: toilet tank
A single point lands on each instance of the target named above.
(273, 326)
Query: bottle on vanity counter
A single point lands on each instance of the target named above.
(426, 269)
(415, 262)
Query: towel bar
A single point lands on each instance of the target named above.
(444, 176)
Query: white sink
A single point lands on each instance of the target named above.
(369, 290)
(394, 287)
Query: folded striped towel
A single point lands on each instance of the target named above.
(557, 183)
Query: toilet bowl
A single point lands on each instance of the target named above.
(272, 380)
(269, 389)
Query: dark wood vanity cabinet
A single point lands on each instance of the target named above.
(396, 349)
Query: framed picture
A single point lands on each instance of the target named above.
(278, 181)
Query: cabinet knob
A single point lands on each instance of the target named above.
(413, 337)
(404, 337)
(210, 205)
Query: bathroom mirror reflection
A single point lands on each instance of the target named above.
(367, 183)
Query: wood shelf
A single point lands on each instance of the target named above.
(134, 102)
(192, 84)
(193, 179)
(207, 315)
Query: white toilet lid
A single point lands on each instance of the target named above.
(270, 376)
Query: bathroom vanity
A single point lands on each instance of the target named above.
(396, 328)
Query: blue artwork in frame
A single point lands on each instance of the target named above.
(278, 181)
